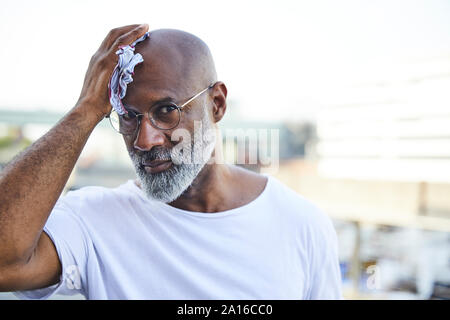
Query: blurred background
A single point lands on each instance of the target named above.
(359, 91)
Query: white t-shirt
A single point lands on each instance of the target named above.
(118, 244)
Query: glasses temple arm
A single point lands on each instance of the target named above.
(196, 96)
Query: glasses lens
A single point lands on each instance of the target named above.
(125, 124)
(165, 116)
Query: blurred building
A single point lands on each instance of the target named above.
(381, 168)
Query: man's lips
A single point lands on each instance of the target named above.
(156, 165)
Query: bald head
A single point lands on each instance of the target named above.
(173, 60)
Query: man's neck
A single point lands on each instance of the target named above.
(221, 187)
(209, 191)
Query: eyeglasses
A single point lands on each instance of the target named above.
(164, 116)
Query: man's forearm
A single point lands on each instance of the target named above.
(32, 182)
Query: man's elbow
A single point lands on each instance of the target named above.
(12, 266)
(9, 278)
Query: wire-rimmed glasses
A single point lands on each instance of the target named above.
(164, 116)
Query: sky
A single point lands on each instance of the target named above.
(279, 59)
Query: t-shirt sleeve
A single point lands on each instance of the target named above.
(326, 275)
(71, 240)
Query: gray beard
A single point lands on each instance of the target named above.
(166, 186)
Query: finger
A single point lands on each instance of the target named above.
(130, 37)
(115, 33)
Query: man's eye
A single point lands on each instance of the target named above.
(166, 109)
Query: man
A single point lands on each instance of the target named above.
(200, 230)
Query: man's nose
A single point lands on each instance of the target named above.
(148, 136)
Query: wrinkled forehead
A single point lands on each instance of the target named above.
(163, 73)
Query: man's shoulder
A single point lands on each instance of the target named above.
(289, 197)
(295, 206)
(96, 197)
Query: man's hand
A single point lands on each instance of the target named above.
(101, 67)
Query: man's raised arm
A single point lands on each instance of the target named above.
(32, 182)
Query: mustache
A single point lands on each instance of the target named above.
(153, 154)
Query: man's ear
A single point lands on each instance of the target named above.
(219, 97)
